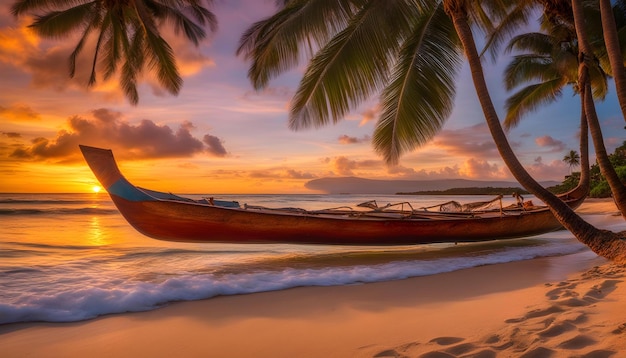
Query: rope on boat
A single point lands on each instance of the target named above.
(401, 210)
(455, 207)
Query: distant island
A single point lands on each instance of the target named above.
(469, 191)
(355, 185)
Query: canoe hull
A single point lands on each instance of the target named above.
(176, 220)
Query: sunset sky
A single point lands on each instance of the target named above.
(220, 136)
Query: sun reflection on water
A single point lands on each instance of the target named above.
(96, 235)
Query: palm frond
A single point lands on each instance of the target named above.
(529, 68)
(351, 66)
(535, 42)
(93, 23)
(507, 26)
(530, 98)
(203, 15)
(420, 95)
(194, 32)
(159, 53)
(58, 24)
(132, 66)
(272, 44)
(21, 7)
(599, 81)
(115, 46)
(104, 33)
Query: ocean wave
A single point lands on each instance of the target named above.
(47, 201)
(89, 291)
(57, 211)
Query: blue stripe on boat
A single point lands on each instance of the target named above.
(123, 188)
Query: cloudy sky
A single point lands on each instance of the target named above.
(220, 136)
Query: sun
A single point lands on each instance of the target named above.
(96, 188)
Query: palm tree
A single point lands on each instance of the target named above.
(126, 32)
(542, 64)
(357, 40)
(586, 55)
(607, 244)
(572, 159)
(549, 62)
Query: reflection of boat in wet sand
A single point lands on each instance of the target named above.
(170, 217)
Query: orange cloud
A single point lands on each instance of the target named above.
(476, 168)
(474, 140)
(109, 129)
(345, 166)
(19, 113)
(552, 144)
(369, 115)
(555, 169)
(280, 173)
(345, 139)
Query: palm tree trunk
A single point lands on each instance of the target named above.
(617, 188)
(585, 175)
(611, 41)
(606, 244)
(606, 168)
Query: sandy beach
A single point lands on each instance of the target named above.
(569, 306)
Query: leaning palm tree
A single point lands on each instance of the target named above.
(572, 159)
(126, 34)
(559, 16)
(546, 63)
(408, 51)
(586, 54)
(607, 244)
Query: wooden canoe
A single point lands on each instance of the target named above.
(170, 217)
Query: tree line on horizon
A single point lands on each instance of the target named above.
(408, 52)
(599, 188)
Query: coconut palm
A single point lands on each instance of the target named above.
(572, 159)
(126, 34)
(586, 54)
(607, 244)
(361, 47)
(548, 62)
(553, 61)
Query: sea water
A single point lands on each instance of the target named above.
(72, 257)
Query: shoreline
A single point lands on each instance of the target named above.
(561, 306)
(459, 311)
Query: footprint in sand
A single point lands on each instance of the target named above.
(602, 290)
(437, 354)
(576, 302)
(398, 352)
(461, 349)
(578, 342)
(599, 353)
(446, 341)
(536, 313)
(557, 330)
(564, 289)
(387, 353)
(574, 317)
(539, 352)
(620, 329)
